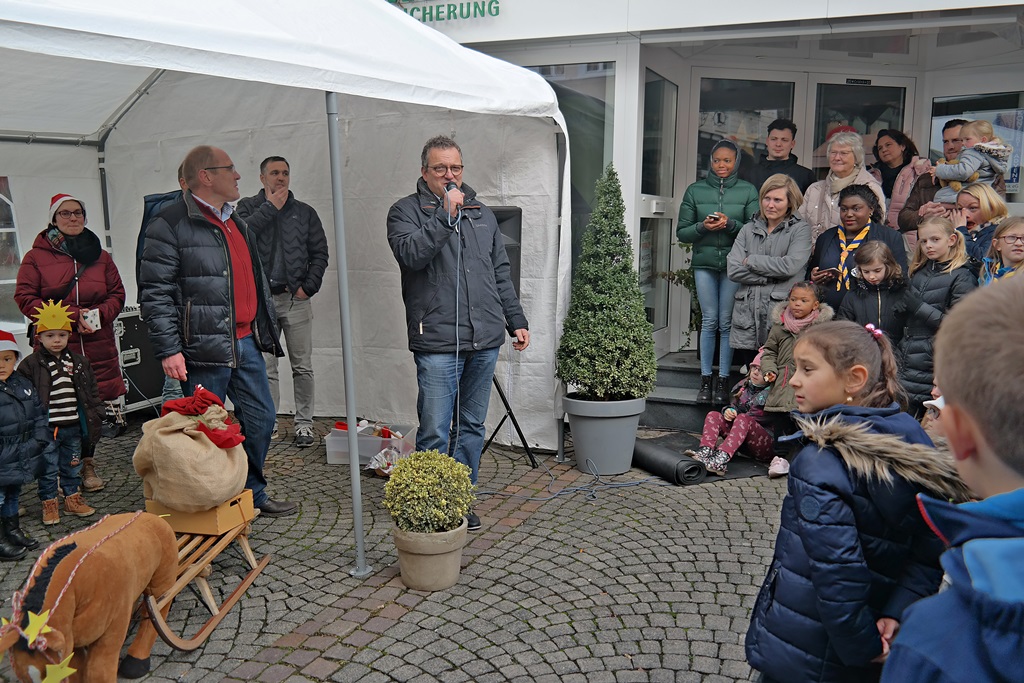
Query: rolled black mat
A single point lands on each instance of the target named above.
(668, 464)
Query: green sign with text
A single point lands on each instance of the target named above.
(428, 11)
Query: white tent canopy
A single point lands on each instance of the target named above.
(143, 81)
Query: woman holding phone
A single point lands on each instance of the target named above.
(860, 220)
(712, 213)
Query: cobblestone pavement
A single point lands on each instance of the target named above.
(635, 580)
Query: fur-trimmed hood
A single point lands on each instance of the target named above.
(880, 456)
(826, 313)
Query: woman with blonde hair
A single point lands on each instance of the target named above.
(846, 167)
(768, 257)
(979, 210)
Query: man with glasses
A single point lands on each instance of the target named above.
(459, 303)
(208, 305)
(293, 249)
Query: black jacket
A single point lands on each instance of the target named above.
(827, 252)
(428, 250)
(186, 289)
(24, 431)
(294, 233)
(90, 407)
(932, 294)
(852, 546)
(876, 304)
(756, 174)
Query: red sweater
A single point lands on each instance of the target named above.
(244, 285)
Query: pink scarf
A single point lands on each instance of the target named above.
(797, 326)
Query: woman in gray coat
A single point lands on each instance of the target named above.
(769, 255)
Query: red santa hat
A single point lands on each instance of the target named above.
(7, 343)
(59, 199)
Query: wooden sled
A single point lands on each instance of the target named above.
(195, 554)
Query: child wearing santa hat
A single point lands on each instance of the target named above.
(23, 439)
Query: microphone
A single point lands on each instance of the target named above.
(450, 186)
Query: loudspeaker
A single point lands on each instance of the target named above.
(142, 373)
(510, 223)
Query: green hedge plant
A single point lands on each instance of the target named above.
(606, 352)
(428, 492)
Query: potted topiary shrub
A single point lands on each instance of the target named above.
(606, 352)
(428, 496)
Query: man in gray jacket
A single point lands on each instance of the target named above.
(293, 249)
(459, 303)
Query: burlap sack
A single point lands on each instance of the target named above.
(182, 469)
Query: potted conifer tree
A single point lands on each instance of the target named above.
(606, 352)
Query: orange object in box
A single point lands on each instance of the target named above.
(213, 522)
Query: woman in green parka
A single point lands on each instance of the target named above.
(712, 213)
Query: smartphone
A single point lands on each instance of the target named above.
(712, 217)
(834, 272)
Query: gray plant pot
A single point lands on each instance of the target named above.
(603, 433)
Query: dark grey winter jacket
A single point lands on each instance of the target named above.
(435, 258)
(293, 233)
(186, 289)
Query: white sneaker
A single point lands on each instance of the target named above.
(274, 435)
(779, 467)
(304, 436)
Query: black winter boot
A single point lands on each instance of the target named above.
(704, 395)
(10, 552)
(15, 536)
(722, 391)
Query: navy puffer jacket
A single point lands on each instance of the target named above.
(24, 431)
(933, 293)
(876, 304)
(852, 546)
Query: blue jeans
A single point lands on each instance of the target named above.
(295, 318)
(247, 387)
(716, 294)
(62, 457)
(9, 500)
(452, 403)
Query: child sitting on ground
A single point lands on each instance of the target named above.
(23, 440)
(983, 157)
(878, 285)
(67, 387)
(852, 551)
(742, 423)
(974, 630)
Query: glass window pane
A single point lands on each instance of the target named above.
(739, 110)
(1005, 111)
(655, 252)
(659, 154)
(9, 313)
(863, 109)
(10, 259)
(586, 96)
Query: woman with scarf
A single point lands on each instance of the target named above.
(67, 263)
(711, 215)
(846, 167)
(832, 265)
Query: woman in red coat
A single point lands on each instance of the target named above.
(66, 248)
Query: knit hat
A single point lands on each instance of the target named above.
(52, 316)
(757, 358)
(59, 199)
(7, 343)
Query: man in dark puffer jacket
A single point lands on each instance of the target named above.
(208, 305)
(293, 248)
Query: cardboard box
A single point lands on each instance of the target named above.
(369, 446)
(224, 517)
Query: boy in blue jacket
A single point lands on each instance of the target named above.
(974, 629)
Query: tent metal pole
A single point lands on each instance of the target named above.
(361, 570)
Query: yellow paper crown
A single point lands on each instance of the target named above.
(52, 316)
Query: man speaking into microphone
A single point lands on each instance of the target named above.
(459, 303)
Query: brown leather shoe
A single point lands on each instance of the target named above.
(90, 480)
(76, 505)
(51, 512)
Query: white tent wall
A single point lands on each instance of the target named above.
(509, 161)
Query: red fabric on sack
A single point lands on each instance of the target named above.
(197, 404)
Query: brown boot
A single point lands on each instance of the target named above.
(90, 481)
(76, 505)
(51, 512)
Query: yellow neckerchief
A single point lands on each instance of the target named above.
(844, 273)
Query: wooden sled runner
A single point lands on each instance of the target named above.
(196, 552)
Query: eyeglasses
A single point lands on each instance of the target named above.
(841, 153)
(217, 168)
(1012, 239)
(441, 171)
(68, 214)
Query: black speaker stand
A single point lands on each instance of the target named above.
(509, 415)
